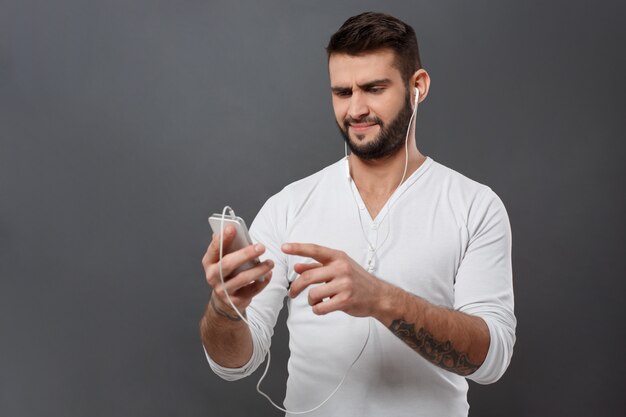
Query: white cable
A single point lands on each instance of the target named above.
(266, 348)
(406, 139)
(406, 165)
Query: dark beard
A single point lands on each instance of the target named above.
(389, 140)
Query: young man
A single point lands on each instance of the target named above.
(385, 245)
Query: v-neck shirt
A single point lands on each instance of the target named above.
(440, 236)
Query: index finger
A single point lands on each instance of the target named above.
(321, 254)
(213, 252)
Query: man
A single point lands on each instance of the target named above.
(385, 245)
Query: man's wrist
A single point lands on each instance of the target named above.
(225, 312)
(390, 304)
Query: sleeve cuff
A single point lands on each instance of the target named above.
(230, 374)
(498, 356)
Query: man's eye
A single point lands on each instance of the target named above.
(343, 93)
(375, 90)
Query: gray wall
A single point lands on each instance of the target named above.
(123, 124)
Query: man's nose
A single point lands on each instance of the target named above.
(358, 106)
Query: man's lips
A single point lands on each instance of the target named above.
(362, 127)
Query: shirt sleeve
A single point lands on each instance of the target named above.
(262, 313)
(483, 284)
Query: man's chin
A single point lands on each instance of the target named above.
(373, 149)
(364, 139)
(360, 145)
(365, 150)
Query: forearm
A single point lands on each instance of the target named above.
(449, 339)
(226, 338)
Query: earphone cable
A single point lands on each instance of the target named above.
(264, 346)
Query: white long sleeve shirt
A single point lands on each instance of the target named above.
(440, 236)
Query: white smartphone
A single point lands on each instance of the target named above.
(241, 240)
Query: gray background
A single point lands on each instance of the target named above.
(123, 124)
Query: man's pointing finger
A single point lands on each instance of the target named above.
(319, 253)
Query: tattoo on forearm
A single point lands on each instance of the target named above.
(439, 353)
(222, 313)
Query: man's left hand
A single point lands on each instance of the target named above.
(346, 285)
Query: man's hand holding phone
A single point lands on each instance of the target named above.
(242, 284)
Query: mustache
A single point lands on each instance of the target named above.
(350, 120)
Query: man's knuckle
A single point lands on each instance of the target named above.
(343, 267)
(209, 271)
(219, 291)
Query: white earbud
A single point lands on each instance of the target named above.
(417, 95)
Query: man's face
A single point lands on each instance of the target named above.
(371, 102)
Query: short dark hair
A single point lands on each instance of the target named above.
(371, 31)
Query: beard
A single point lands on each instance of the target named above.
(390, 138)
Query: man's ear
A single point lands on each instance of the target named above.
(421, 81)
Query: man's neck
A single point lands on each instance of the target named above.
(380, 178)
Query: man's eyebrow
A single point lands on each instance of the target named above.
(364, 86)
(341, 89)
(370, 84)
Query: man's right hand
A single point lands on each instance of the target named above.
(241, 287)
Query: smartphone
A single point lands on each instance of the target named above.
(241, 240)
